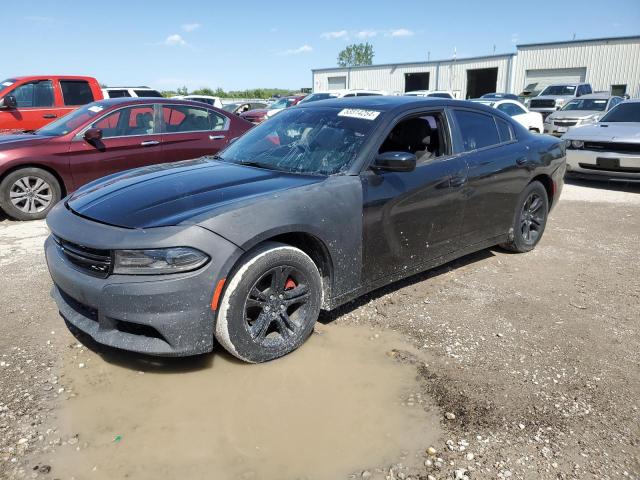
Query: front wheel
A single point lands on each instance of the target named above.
(530, 219)
(270, 304)
(29, 193)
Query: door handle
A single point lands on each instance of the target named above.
(216, 137)
(149, 143)
(49, 115)
(455, 182)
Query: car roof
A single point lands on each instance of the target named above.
(108, 102)
(597, 95)
(59, 77)
(137, 88)
(386, 103)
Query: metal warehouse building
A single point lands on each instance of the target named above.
(607, 63)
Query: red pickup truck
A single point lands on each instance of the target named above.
(28, 103)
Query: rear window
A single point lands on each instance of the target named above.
(623, 112)
(148, 93)
(477, 130)
(76, 92)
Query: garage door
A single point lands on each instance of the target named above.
(550, 76)
(337, 83)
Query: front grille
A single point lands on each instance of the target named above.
(565, 123)
(618, 168)
(84, 310)
(617, 147)
(542, 103)
(89, 260)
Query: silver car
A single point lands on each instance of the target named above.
(609, 149)
(585, 110)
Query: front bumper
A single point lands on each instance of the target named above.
(167, 315)
(603, 165)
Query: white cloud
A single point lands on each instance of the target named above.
(190, 27)
(175, 40)
(366, 34)
(295, 51)
(400, 32)
(335, 35)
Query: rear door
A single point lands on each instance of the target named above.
(73, 94)
(496, 174)
(36, 106)
(130, 139)
(191, 132)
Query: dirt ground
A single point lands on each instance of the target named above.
(497, 365)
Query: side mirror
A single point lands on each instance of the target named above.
(93, 135)
(395, 162)
(8, 102)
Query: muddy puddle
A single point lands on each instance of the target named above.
(336, 406)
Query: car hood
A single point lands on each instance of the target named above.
(21, 140)
(553, 97)
(170, 194)
(566, 114)
(607, 132)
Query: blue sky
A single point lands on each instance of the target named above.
(237, 45)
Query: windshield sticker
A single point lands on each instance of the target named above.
(96, 109)
(7, 84)
(359, 113)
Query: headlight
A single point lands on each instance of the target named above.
(158, 261)
(577, 144)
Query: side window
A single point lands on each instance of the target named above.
(118, 93)
(613, 103)
(128, 121)
(476, 129)
(504, 130)
(421, 135)
(34, 94)
(587, 89)
(182, 118)
(507, 108)
(76, 92)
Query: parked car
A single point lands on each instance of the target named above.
(532, 90)
(309, 210)
(346, 93)
(28, 103)
(134, 92)
(497, 96)
(530, 120)
(430, 93)
(609, 149)
(214, 101)
(554, 97)
(240, 107)
(259, 115)
(580, 111)
(103, 138)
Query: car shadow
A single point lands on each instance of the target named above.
(611, 185)
(154, 364)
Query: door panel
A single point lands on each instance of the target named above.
(411, 217)
(36, 106)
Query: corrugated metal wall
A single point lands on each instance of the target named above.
(608, 62)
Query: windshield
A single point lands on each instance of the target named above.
(231, 107)
(282, 103)
(559, 90)
(317, 141)
(6, 84)
(587, 104)
(623, 112)
(318, 96)
(73, 120)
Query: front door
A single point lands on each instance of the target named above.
(192, 132)
(129, 140)
(36, 107)
(411, 218)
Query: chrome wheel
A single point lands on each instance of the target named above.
(31, 194)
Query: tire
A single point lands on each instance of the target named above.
(270, 304)
(29, 193)
(530, 219)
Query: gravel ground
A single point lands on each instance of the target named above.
(533, 360)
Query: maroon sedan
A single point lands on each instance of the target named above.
(259, 115)
(105, 137)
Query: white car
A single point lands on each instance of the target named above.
(119, 92)
(356, 92)
(208, 99)
(516, 110)
(430, 93)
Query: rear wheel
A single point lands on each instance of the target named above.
(270, 304)
(29, 193)
(530, 218)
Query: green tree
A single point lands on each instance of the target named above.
(356, 55)
(183, 91)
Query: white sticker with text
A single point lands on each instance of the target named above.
(7, 84)
(96, 109)
(359, 113)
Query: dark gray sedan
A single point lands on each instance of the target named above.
(307, 211)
